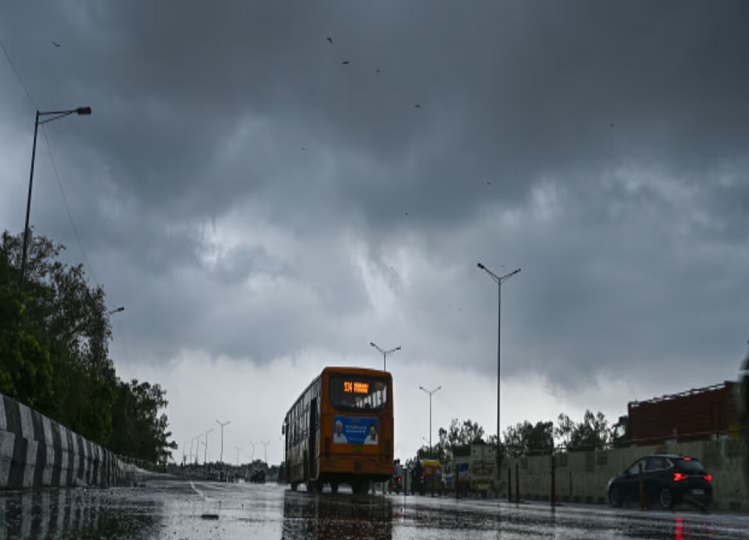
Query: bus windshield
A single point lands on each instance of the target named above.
(356, 392)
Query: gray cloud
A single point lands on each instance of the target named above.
(602, 147)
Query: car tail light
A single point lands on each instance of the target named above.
(687, 459)
(709, 477)
(678, 477)
(421, 478)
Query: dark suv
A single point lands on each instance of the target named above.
(667, 479)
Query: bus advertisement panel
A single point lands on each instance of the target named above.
(356, 430)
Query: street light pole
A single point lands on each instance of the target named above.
(499, 280)
(265, 450)
(192, 443)
(197, 449)
(252, 444)
(55, 115)
(385, 354)
(205, 455)
(430, 392)
(239, 449)
(222, 424)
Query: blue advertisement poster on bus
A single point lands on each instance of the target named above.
(355, 430)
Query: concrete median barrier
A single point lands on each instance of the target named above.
(583, 476)
(38, 452)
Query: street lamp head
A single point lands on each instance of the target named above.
(398, 348)
(372, 343)
(481, 266)
(83, 111)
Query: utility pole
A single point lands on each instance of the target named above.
(222, 424)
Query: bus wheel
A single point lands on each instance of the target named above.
(293, 486)
(334, 488)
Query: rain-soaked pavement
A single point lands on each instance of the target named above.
(190, 510)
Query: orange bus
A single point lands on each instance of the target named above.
(340, 431)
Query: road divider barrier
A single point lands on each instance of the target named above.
(582, 477)
(38, 452)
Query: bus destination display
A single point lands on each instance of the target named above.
(355, 387)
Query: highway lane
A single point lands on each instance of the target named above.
(192, 510)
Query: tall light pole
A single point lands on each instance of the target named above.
(205, 456)
(54, 115)
(499, 280)
(192, 443)
(239, 449)
(222, 424)
(252, 444)
(385, 354)
(197, 450)
(430, 392)
(265, 450)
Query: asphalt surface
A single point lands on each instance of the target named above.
(192, 510)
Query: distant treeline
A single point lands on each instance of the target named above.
(54, 347)
(526, 438)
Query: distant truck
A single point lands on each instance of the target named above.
(471, 471)
(698, 414)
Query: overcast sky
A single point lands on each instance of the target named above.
(265, 203)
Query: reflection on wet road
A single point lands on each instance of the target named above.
(182, 510)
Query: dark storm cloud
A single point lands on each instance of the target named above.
(200, 110)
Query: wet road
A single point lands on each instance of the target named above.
(192, 510)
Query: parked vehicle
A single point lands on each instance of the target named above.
(396, 481)
(697, 414)
(431, 479)
(471, 470)
(257, 476)
(667, 479)
(395, 484)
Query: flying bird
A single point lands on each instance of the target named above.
(345, 62)
(417, 106)
(612, 124)
(303, 148)
(55, 44)
(377, 70)
(405, 214)
(330, 39)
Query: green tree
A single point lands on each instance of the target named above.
(592, 433)
(525, 439)
(54, 354)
